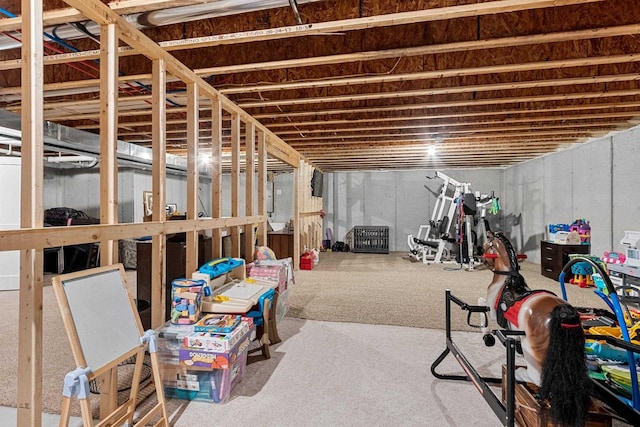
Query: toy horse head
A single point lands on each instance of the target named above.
(499, 254)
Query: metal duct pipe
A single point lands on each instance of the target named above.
(64, 139)
(164, 17)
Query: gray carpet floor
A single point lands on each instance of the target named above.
(391, 290)
(360, 336)
(349, 374)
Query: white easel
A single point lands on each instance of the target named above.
(104, 329)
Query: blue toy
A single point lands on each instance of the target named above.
(607, 352)
(219, 266)
(582, 272)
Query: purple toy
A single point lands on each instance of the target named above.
(582, 227)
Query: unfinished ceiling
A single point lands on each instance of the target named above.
(361, 84)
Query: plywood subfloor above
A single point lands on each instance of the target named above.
(363, 84)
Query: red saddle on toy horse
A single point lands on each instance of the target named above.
(553, 344)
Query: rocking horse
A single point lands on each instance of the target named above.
(553, 341)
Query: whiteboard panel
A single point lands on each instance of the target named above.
(106, 325)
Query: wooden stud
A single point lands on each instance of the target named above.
(108, 177)
(102, 14)
(108, 137)
(436, 74)
(31, 216)
(250, 150)
(235, 182)
(405, 122)
(158, 242)
(297, 188)
(262, 190)
(498, 102)
(446, 90)
(216, 173)
(193, 178)
(49, 237)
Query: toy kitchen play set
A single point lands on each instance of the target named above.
(626, 272)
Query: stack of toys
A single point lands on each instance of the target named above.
(205, 360)
(271, 273)
(186, 300)
(218, 341)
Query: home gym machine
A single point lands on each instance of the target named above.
(454, 202)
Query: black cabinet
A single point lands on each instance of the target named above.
(553, 258)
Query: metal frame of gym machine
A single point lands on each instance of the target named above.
(422, 246)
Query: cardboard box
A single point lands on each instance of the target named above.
(212, 359)
(216, 342)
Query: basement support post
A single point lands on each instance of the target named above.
(193, 130)
(235, 182)
(31, 216)
(216, 173)
(159, 149)
(108, 137)
(262, 187)
(249, 149)
(296, 214)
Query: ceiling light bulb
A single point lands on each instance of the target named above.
(431, 150)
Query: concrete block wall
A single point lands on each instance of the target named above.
(597, 180)
(401, 200)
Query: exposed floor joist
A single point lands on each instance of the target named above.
(360, 73)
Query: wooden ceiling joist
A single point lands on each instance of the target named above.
(362, 73)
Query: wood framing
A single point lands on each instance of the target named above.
(250, 149)
(31, 239)
(235, 182)
(262, 184)
(216, 173)
(31, 260)
(158, 242)
(193, 178)
(356, 61)
(366, 85)
(108, 137)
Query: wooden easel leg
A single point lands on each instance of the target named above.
(85, 410)
(157, 380)
(135, 385)
(76, 383)
(65, 412)
(161, 407)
